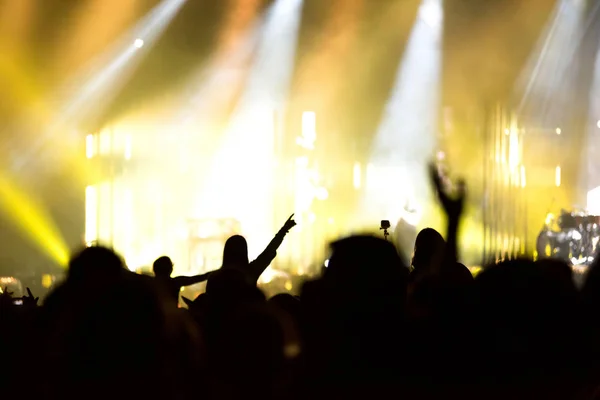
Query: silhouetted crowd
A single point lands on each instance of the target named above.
(370, 326)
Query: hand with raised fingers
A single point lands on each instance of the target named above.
(452, 201)
(6, 297)
(6, 293)
(30, 300)
(289, 224)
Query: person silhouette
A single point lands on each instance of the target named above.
(163, 268)
(428, 251)
(235, 253)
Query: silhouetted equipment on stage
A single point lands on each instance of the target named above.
(385, 226)
(572, 237)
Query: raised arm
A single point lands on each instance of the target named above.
(191, 280)
(453, 205)
(258, 266)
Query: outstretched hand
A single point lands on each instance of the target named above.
(452, 203)
(289, 224)
(6, 297)
(30, 300)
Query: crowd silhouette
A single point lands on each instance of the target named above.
(371, 325)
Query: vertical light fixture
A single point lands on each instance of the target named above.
(89, 146)
(513, 150)
(128, 147)
(309, 130)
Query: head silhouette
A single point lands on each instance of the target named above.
(429, 249)
(163, 267)
(365, 264)
(95, 263)
(235, 253)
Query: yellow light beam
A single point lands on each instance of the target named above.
(33, 222)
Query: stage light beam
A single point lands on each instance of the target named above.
(88, 95)
(216, 84)
(33, 221)
(406, 138)
(545, 85)
(112, 69)
(249, 136)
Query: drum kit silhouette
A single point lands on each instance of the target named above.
(572, 237)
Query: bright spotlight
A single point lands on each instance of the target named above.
(598, 123)
(139, 43)
(558, 131)
(432, 13)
